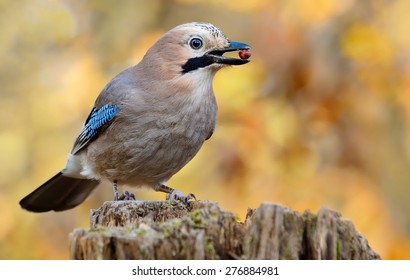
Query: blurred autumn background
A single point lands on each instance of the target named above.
(321, 115)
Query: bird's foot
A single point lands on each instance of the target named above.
(178, 195)
(126, 195)
(173, 194)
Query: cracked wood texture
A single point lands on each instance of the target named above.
(168, 230)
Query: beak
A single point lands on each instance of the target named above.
(216, 55)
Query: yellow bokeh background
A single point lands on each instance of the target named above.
(321, 116)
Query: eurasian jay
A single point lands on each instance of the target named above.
(148, 122)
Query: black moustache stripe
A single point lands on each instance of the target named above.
(196, 63)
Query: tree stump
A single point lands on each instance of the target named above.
(168, 230)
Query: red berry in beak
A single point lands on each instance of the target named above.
(244, 54)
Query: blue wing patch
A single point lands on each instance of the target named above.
(96, 121)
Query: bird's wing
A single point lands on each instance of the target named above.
(98, 120)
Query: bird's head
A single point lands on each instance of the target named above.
(192, 48)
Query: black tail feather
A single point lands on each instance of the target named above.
(59, 193)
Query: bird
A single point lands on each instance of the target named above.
(148, 122)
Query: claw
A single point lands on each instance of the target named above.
(126, 195)
(178, 195)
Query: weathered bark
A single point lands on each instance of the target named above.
(168, 230)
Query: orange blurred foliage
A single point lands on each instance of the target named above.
(320, 116)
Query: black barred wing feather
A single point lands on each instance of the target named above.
(98, 120)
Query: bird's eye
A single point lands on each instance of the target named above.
(196, 43)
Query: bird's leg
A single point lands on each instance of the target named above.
(115, 189)
(126, 195)
(173, 194)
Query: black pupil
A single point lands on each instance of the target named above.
(196, 43)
